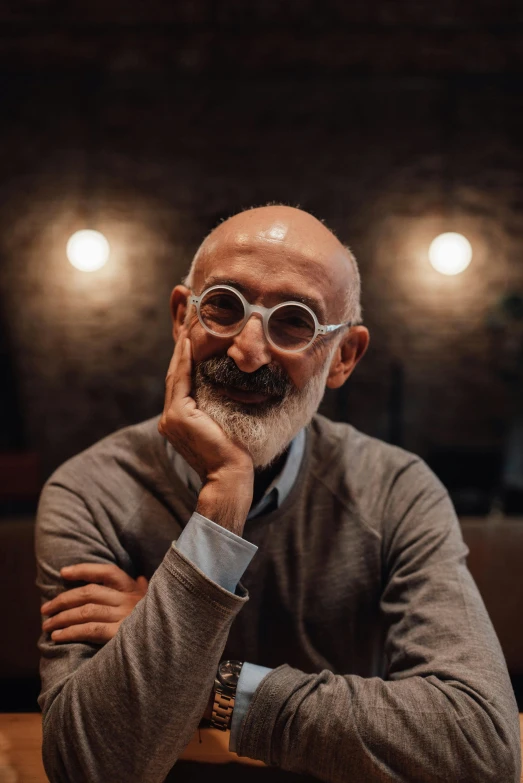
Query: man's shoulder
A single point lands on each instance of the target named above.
(134, 449)
(350, 446)
(367, 473)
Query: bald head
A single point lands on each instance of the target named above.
(281, 238)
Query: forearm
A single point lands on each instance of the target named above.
(444, 709)
(127, 713)
(415, 730)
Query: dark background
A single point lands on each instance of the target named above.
(392, 121)
(151, 121)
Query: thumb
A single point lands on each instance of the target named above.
(143, 583)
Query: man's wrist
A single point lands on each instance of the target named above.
(227, 503)
(225, 685)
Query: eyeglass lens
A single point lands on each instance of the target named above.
(290, 327)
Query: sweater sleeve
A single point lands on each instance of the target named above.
(444, 709)
(147, 688)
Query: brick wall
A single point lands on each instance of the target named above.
(390, 126)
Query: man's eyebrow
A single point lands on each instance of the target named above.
(286, 296)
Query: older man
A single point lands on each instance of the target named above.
(355, 647)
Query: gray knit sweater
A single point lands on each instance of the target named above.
(386, 666)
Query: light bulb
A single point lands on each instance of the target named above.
(450, 253)
(88, 250)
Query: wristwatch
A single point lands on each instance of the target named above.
(225, 684)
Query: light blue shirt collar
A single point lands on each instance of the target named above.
(277, 490)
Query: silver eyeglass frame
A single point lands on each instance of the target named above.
(265, 313)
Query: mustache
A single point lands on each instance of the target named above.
(223, 371)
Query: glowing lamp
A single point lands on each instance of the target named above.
(450, 253)
(88, 250)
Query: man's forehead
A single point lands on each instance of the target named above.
(269, 253)
(263, 251)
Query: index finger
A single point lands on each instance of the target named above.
(99, 573)
(179, 372)
(178, 369)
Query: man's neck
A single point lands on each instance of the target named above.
(264, 476)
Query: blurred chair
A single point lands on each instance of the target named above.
(20, 482)
(19, 658)
(472, 477)
(496, 555)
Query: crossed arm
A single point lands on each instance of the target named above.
(93, 613)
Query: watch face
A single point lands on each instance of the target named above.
(229, 672)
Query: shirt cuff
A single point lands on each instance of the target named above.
(221, 555)
(250, 677)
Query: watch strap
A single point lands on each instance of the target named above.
(222, 710)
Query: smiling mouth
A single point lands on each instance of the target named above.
(246, 397)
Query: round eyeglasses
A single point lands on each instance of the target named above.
(289, 326)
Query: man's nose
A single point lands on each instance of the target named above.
(250, 349)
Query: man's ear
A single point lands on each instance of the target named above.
(349, 352)
(178, 305)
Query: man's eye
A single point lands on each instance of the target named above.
(292, 320)
(296, 323)
(224, 303)
(221, 309)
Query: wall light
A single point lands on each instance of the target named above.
(450, 253)
(88, 250)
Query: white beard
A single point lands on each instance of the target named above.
(264, 434)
